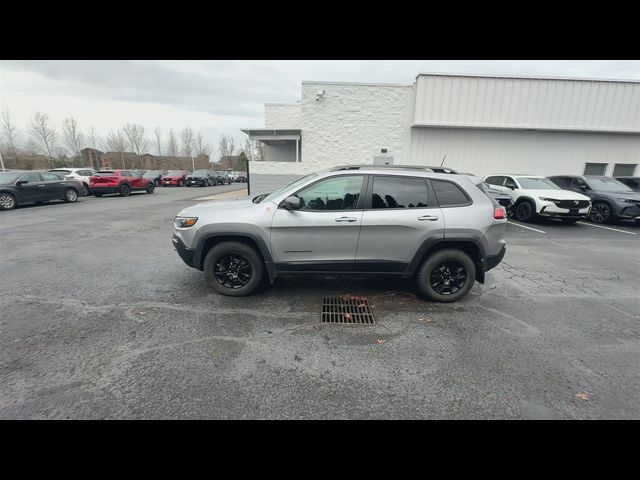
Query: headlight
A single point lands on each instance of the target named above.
(185, 222)
(548, 199)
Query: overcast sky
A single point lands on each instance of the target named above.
(222, 96)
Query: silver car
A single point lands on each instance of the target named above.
(406, 221)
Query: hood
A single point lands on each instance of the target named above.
(558, 194)
(225, 205)
(619, 195)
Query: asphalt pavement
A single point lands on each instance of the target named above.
(99, 318)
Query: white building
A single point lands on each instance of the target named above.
(483, 124)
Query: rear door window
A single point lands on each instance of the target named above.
(449, 194)
(495, 180)
(50, 177)
(562, 182)
(399, 192)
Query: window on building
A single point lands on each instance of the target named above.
(624, 169)
(397, 192)
(332, 194)
(449, 194)
(595, 168)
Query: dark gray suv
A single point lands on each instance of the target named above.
(437, 228)
(610, 199)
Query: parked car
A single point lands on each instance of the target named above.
(202, 178)
(174, 177)
(122, 182)
(155, 176)
(610, 199)
(533, 195)
(632, 182)
(502, 199)
(437, 228)
(232, 174)
(19, 188)
(82, 174)
(242, 178)
(222, 177)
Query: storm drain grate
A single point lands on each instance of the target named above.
(346, 309)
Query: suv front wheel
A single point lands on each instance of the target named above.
(446, 276)
(233, 268)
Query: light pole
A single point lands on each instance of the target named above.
(1, 162)
(193, 164)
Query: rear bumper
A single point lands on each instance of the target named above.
(491, 262)
(186, 254)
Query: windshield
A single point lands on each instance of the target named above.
(152, 173)
(199, 172)
(9, 177)
(174, 173)
(607, 185)
(531, 183)
(271, 196)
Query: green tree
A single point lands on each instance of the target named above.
(242, 161)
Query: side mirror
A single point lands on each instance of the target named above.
(584, 187)
(22, 182)
(292, 203)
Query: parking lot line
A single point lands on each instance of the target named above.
(529, 228)
(608, 228)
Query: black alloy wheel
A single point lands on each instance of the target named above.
(232, 271)
(600, 213)
(448, 277)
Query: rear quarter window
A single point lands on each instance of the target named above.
(449, 194)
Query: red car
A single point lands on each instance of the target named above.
(174, 177)
(119, 181)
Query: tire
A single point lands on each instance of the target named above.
(600, 212)
(186, 185)
(125, 190)
(155, 182)
(235, 253)
(87, 188)
(7, 201)
(150, 188)
(569, 221)
(524, 211)
(70, 195)
(180, 183)
(452, 262)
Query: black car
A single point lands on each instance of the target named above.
(222, 177)
(499, 197)
(202, 178)
(632, 182)
(154, 175)
(610, 199)
(19, 188)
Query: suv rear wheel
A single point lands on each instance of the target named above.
(524, 211)
(125, 190)
(233, 268)
(446, 276)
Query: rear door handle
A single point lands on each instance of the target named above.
(346, 219)
(431, 218)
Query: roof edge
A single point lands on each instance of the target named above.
(527, 77)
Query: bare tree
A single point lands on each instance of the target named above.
(188, 142)
(44, 133)
(10, 134)
(117, 142)
(158, 135)
(94, 139)
(227, 146)
(74, 139)
(248, 149)
(172, 144)
(136, 139)
(202, 147)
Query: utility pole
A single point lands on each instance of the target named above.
(1, 162)
(193, 164)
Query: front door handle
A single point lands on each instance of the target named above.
(346, 219)
(42, 185)
(431, 218)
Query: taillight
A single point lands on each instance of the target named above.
(499, 213)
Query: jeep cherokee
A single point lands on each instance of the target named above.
(411, 222)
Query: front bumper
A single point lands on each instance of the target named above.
(552, 211)
(628, 212)
(196, 181)
(186, 254)
(169, 182)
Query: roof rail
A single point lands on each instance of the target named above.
(396, 167)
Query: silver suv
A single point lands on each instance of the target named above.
(406, 221)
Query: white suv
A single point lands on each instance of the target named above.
(536, 195)
(81, 174)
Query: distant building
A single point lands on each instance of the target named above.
(147, 161)
(229, 161)
(91, 157)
